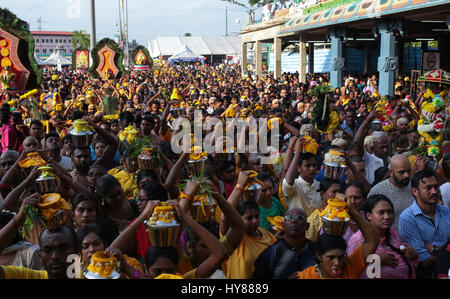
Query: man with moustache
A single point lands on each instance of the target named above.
(82, 158)
(425, 225)
(289, 255)
(53, 150)
(397, 187)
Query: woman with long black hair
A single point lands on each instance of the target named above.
(398, 259)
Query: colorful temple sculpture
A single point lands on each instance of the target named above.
(141, 59)
(18, 68)
(107, 60)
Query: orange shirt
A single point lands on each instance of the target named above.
(353, 269)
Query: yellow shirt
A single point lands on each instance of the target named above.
(345, 101)
(126, 180)
(240, 264)
(315, 224)
(13, 272)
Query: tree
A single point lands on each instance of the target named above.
(80, 39)
(187, 34)
(251, 6)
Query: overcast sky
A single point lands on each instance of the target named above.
(147, 18)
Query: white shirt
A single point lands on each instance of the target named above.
(372, 163)
(65, 163)
(445, 191)
(302, 195)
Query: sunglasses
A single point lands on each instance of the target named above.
(297, 217)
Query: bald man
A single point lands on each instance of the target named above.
(29, 143)
(7, 160)
(397, 187)
(291, 254)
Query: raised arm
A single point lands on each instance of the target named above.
(362, 132)
(112, 144)
(127, 239)
(288, 157)
(12, 201)
(164, 127)
(358, 175)
(233, 199)
(9, 231)
(216, 249)
(369, 233)
(294, 131)
(14, 174)
(153, 98)
(292, 172)
(233, 219)
(174, 175)
(67, 179)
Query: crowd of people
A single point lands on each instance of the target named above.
(398, 201)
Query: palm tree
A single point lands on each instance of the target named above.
(251, 6)
(80, 39)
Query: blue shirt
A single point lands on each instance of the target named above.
(347, 128)
(116, 156)
(416, 228)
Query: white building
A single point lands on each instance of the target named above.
(214, 48)
(46, 42)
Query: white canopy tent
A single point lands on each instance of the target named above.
(185, 54)
(164, 47)
(38, 60)
(57, 59)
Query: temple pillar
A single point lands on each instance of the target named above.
(258, 58)
(302, 54)
(244, 59)
(387, 62)
(336, 35)
(311, 58)
(277, 52)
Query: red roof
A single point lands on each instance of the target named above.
(51, 33)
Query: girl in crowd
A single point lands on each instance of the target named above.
(331, 252)
(116, 208)
(255, 239)
(328, 190)
(165, 260)
(92, 238)
(269, 205)
(85, 210)
(357, 196)
(398, 259)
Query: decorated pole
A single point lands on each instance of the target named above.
(93, 29)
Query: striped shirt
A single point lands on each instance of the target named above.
(417, 229)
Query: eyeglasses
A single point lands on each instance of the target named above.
(297, 217)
